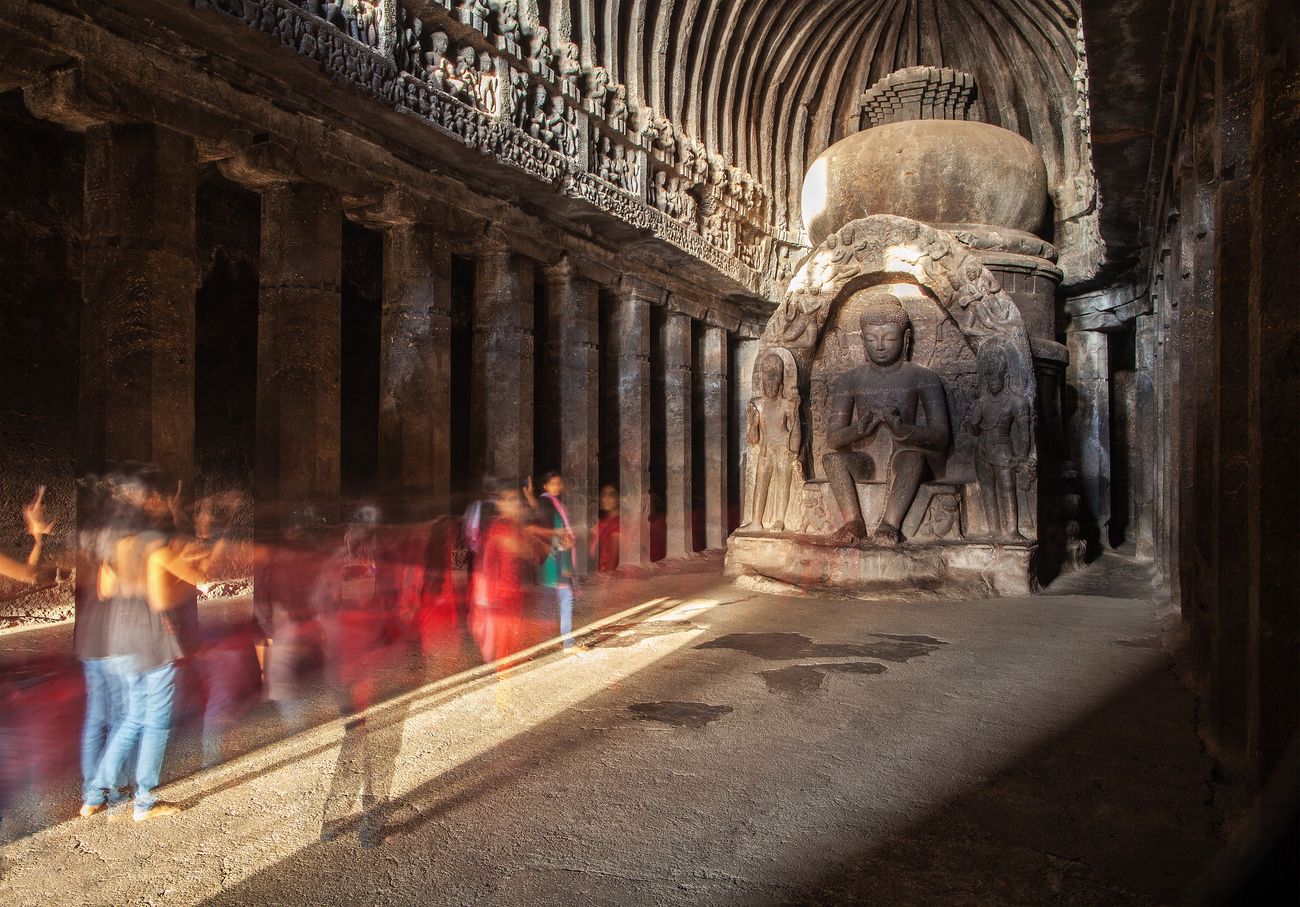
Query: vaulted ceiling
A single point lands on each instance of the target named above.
(770, 84)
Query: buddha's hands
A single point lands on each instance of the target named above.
(867, 424)
(894, 421)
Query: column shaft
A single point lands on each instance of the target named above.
(677, 433)
(138, 283)
(574, 330)
(630, 330)
(713, 378)
(1088, 373)
(503, 366)
(415, 366)
(299, 346)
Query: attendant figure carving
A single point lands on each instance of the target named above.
(539, 50)
(774, 436)
(570, 68)
(616, 115)
(892, 394)
(488, 85)
(436, 65)
(999, 421)
(597, 90)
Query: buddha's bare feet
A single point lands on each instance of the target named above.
(776, 527)
(850, 535)
(887, 536)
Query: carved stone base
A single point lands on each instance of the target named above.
(929, 570)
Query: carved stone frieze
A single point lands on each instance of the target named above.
(470, 86)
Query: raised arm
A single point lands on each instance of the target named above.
(37, 527)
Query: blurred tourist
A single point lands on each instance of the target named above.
(556, 573)
(604, 541)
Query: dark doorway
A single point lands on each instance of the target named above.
(546, 386)
(608, 453)
(658, 440)
(1123, 432)
(465, 476)
(225, 348)
(363, 287)
(699, 537)
(734, 403)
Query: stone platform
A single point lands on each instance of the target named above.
(929, 570)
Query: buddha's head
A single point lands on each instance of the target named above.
(771, 376)
(991, 363)
(886, 328)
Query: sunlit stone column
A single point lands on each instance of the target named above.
(138, 284)
(415, 367)
(299, 347)
(574, 332)
(677, 431)
(1088, 372)
(713, 379)
(503, 365)
(630, 336)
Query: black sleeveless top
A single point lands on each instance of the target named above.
(137, 630)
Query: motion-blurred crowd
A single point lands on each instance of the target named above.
(342, 611)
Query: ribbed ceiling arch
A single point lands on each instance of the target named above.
(770, 84)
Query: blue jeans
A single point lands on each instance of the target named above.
(148, 722)
(104, 707)
(564, 604)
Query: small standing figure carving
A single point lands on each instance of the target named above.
(570, 68)
(999, 421)
(774, 436)
(488, 88)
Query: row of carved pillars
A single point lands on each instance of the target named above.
(1223, 348)
(138, 362)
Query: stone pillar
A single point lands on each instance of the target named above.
(1143, 491)
(138, 283)
(503, 366)
(630, 336)
(1088, 374)
(713, 380)
(415, 368)
(1273, 493)
(677, 433)
(299, 347)
(574, 331)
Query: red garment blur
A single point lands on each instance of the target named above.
(606, 544)
(501, 590)
(438, 614)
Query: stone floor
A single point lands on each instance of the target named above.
(719, 746)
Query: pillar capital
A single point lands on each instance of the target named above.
(61, 96)
(393, 206)
(634, 287)
(258, 166)
(686, 305)
(721, 318)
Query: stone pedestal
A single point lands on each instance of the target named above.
(630, 333)
(949, 569)
(415, 368)
(299, 348)
(138, 283)
(503, 366)
(677, 433)
(574, 330)
(713, 380)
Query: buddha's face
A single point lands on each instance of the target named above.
(884, 343)
(772, 377)
(994, 381)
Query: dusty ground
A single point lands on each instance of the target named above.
(720, 747)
